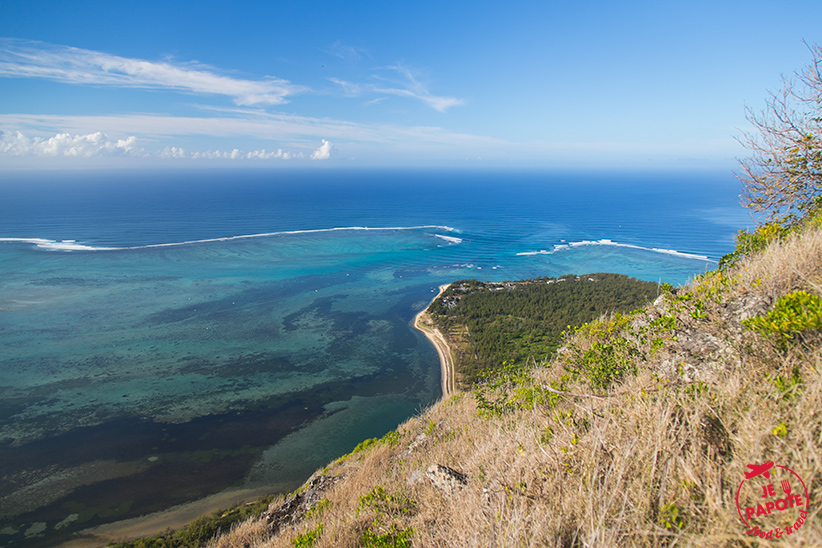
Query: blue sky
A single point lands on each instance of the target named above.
(535, 84)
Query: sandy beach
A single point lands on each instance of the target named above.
(152, 524)
(423, 322)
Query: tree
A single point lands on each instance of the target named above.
(783, 177)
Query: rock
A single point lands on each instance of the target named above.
(681, 368)
(416, 477)
(446, 479)
(418, 441)
(677, 368)
(745, 308)
(700, 344)
(296, 505)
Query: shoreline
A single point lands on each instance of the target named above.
(422, 322)
(155, 523)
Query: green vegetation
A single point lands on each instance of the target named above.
(606, 363)
(671, 518)
(383, 531)
(749, 243)
(390, 438)
(201, 530)
(309, 539)
(794, 315)
(385, 503)
(393, 538)
(514, 322)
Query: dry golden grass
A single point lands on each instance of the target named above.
(655, 460)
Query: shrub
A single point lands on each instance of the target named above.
(793, 315)
(750, 243)
(307, 540)
(365, 445)
(607, 362)
(394, 538)
(385, 503)
(610, 355)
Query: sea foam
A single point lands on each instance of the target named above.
(57, 245)
(72, 245)
(450, 239)
(607, 242)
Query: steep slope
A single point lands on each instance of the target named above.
(639, 433)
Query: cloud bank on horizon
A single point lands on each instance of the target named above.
(532, 85)
(99, 144)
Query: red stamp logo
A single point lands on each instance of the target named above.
(772, 507)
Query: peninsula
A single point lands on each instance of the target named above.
(423, 322)
(477, 326)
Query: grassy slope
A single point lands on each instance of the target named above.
(668, 407)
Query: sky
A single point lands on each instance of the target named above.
(545, 84)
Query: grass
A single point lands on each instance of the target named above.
(637, 434)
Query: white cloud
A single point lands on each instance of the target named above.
(324, 152)
(414, 88)
(159, 137)
(237, 154)
(279, 155)
(295, 137)
(408, 86)
(234, 154)
(30, 59)
(66, 144)
(253, 124)
(346, 52)
(173, 152)
(98, 144)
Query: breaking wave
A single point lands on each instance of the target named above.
(72, 245)
(607, 242)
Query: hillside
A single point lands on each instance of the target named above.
(638, 433)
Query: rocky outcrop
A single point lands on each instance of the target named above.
(446, 479)
(296, 505)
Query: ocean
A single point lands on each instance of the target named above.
(174, 336)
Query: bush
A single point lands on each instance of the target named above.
(606, 363)
(392, 539)
(749, 243)
(791, 317)
(307, 540)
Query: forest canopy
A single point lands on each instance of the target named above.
(491, 323)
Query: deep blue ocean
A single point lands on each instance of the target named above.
(172, 336)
